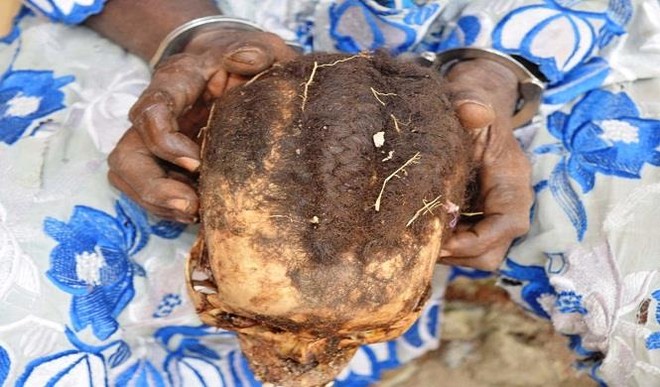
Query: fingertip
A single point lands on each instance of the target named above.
(188, 163)
(217, 84)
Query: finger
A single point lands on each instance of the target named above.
(493, 230)
(136, 167)
(162, 212)
(255, 53)
(224, 83)
(473, 111)
(490, 261)
(174, 88)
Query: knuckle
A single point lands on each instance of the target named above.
(177, 61)
(116, 158)
(150, 103)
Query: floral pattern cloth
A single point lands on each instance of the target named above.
(91, 286)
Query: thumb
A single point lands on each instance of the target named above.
(477, 118)
(248, 58)
(474, 114)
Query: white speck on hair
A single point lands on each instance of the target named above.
(315, 220)
(389, 156)
(619, 131)
(89, 265)
(379, 139)
(22, 106)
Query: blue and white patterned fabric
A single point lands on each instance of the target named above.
(91, 286)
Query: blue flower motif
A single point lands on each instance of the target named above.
(5, 365)
(25, 96)
(92, 261)
(534, 282)
(570, 66)
(375, 23)
(70, 12)
(142, 373)
(167, 305)
(603, 134)
(570, 302)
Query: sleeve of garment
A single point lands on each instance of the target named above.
(66, 11)
(578, 46)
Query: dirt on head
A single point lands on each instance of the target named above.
(327, 185)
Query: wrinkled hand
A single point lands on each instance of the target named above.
(485, 94)
(153, 161)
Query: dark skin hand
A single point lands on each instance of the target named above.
(154, 161)
(485, 94)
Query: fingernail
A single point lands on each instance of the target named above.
(179, 204)
(188, 163)
(445, 253)
(248, 56)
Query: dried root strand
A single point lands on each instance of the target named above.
(254, 78)
(316, 67)
(412, 160)
(378, 94)
(428, 207)
(309, 82)
(396, 123)
(202, 132)
(360, 55)
(468, 214)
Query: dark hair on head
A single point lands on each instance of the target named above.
(300, 138)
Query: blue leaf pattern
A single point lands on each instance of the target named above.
(120, 356)
(5, 365)
(75, 365)
(563, 192)
(140, 374)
